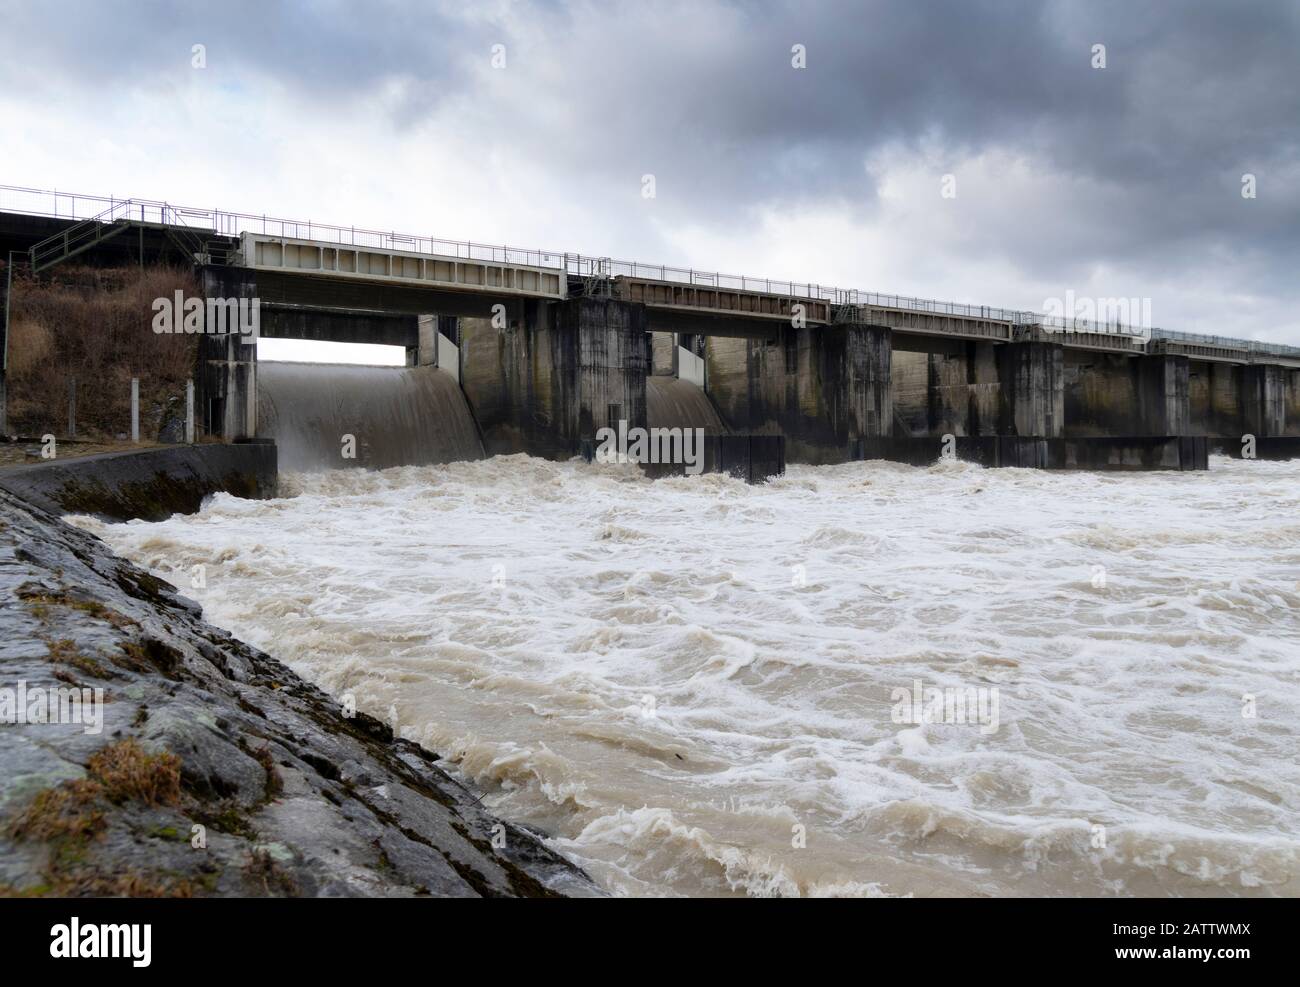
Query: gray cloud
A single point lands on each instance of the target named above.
(1136, 166)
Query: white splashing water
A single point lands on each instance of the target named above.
(678, 678)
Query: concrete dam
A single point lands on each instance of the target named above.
(512, 350)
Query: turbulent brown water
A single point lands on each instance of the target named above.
(691, 683)
(395, 415)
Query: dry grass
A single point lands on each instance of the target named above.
(126, 771)
(66, 811)
(268, 877)
(65, 652)
(95, 325)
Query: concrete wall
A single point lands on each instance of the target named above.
(1214, 399)
(1101, 394)
(1029, 452)
(950, 392)
(1292, 403)
(1031, 398)
(1228, 400)
(1264, 399)
(541, 387)
(822, 387)
(151, 484)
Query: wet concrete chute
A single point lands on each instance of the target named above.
(329, 416)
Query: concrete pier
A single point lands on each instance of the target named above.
(1264, 399)
(1164, 406)
(542, 386)
(226, 371)
(1032, 397)
(823, 388)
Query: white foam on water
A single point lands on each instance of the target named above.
(678, 678)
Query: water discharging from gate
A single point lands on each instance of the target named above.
(673, 403)
(399, 416)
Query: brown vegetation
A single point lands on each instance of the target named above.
(95, 325)
(127, 771)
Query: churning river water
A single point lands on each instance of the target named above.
(695, 686)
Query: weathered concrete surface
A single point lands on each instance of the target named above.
(822, 387)
(1090, 453)
(950, 390)
(225, 392)
(1214, 399)
(1032, 394)
(151, 484)
(201, 730)
(1265, 447)
(1164, 396)
(288, 322)
(1264, 399)
(1101, 394)
(1114, 394)
(541, 386)
(663, 354)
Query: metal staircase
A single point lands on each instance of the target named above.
(596, 282)
(196, 243)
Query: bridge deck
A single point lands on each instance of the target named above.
(319, 257)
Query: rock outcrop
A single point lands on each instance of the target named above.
(214, 769)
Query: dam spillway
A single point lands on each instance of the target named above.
(398, 416)
(673, 403)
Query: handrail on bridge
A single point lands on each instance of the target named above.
(44, 202)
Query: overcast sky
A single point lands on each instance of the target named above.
(1117, 181)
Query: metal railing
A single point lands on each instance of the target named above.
(69, 205)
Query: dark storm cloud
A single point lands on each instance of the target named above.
(1146, 155)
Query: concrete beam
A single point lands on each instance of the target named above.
(689, 299)
(338, 325)
(278, 289)
(348, 262)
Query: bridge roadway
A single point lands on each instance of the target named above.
(706, 305)
(310, 268)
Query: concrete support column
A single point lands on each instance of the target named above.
(1031, 402)
(1164, 406)
(605, 341)
(855, 380)
(1263, 399)
(226, 371)
(426, 348)
(664, 354)
(6, 286)
(546, 382)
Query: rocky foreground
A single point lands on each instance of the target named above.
(215, 770)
